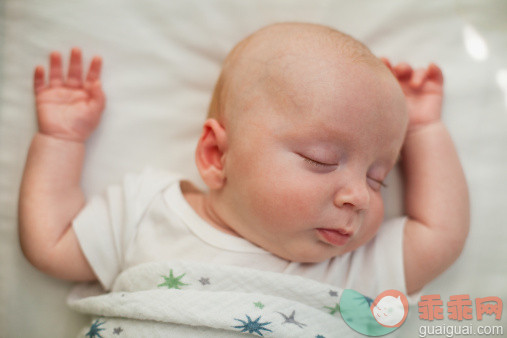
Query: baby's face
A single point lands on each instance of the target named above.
(306, 159)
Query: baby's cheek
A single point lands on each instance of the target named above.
(373, 219)
(377, 209)
(291, 202)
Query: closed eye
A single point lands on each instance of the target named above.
(376, 184)
(317, 163)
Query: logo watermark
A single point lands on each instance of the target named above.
(389, 311)
(390, 308)
(460, 309)
(374, 317)
(463, 330)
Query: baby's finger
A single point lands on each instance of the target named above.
(38, 79)
(97, 96)
(94, 71)
(387, 63)
(403, 71)
(55, 69)
(418, 78)
(75, 76)
(435, 73)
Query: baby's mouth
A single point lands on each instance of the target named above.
(337, 237)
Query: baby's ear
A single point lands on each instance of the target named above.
(209, 154)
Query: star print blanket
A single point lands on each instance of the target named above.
(177, 299)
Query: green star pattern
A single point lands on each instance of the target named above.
(334, 309)
(172, 282)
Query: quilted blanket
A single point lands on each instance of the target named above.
(173, 299)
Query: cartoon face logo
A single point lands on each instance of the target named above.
(390, 308)
(370, 317)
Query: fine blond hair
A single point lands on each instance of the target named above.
(348, 47)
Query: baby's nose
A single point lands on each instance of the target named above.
(353, 193)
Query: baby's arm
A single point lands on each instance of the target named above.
(68, 110)
(436, 193)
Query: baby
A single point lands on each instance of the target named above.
(304, 125)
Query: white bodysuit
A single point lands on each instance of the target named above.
(147, 219)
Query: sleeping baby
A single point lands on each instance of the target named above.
(304, 125)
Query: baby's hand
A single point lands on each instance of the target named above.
(423, 89)
(69, 109)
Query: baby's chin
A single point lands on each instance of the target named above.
(319, 253)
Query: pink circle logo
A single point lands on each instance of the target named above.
(390, 308)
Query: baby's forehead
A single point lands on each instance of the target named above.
(287, 61)
(302, 79)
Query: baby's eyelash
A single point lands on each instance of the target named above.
(382, 184)
(320, 164)
(316, 163)
(312, 162)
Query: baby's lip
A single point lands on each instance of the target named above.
(341, 231)
(336, 237)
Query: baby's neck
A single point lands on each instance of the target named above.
(200, 202)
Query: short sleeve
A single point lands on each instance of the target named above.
(98, 229)
(388, 249)
(107, 224)
(387, 253)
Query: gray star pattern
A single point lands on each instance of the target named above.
(291, 319)
(204, 281)
(333, 293)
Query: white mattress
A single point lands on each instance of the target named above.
(161, 59)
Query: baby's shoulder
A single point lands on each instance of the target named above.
(140, 188)
(149, 179)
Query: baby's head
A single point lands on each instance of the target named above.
(304, 125)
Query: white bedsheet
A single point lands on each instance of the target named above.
(161, 59)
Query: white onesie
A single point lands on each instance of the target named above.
(147, 219)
